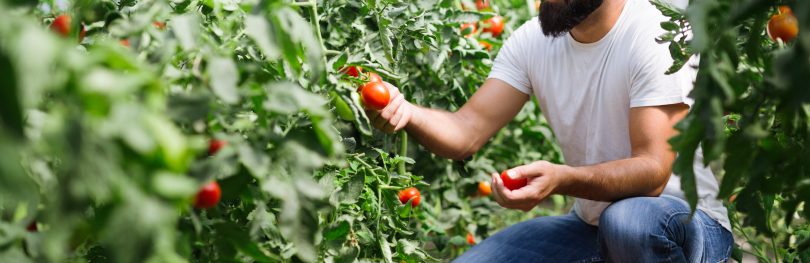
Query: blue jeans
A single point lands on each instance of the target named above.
(639, 229)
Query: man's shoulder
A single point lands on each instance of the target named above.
(643, 18)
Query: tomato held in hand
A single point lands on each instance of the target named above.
(215, 145)
(783, 25)
(512, 184)
(208, 196)
(374, 95)
(494, 25)
(484, 189)
(470, 239)
(482, 4)
(408, 194)
(353, 71)
(62, 26)
(472, 27)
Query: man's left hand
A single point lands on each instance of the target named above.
(543, 179)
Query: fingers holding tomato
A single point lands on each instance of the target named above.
(523, 187)
(394, 116)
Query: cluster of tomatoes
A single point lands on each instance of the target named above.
(209, 195)
(492, 25)
(373, 93)
(783, 25)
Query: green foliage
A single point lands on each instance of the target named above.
(103, 144)
(762, 143)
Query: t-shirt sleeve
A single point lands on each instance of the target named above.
(510, 64)
(650, 85)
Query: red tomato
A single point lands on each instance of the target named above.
(208, 196)
(61, 25)
(482, 4)
(513, 184)
(783, 26)
(484, 189)
(373, 77)
(472, 27)
(470, 238)
(32, 227)
(125, 42)
(352, 71)
(494, 25)
(408, 194)
(215, 145)
(374, 95)
(159, 25)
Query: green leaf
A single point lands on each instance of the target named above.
(174, 185)
(669, 26)
(224, 78)
(257, 28)
(10, 111)
(186, 29)
(338, 231)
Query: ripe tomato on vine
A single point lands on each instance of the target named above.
(783, 25)
(410, 194)
(208, 196)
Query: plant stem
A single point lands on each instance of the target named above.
(403, 151)
(316, 25)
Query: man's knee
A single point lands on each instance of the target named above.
(634, 218)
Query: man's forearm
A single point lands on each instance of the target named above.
(614, 180)
(443, 133)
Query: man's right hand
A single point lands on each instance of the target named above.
(455, 135)
(395, 116)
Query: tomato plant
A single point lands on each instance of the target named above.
(750, 116)
(115, 142)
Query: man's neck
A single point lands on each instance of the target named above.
(598, 23)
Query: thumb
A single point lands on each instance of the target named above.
(393, 90)
(519, 172)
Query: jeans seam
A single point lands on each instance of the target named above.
(666, 230)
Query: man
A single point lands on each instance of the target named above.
(599, 77)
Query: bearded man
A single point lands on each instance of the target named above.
(599, 77)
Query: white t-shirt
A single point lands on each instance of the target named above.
(586, 92)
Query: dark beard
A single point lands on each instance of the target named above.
(558, 18)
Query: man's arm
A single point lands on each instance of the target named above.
(454, 135)
(645, 173)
